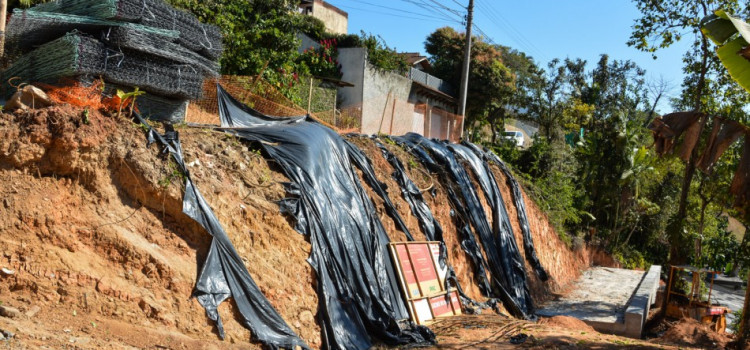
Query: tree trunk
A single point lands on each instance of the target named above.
(745, 323)
(676, 228)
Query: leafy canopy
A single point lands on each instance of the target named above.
(491, 83)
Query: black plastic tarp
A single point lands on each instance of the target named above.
(427, 223)
(523, 219)
(413, 196)
(500, 246)
(357, 287)
(503, 257)
(412, 143)
(223, 273)
(360, 160)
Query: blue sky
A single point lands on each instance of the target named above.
(545, 29)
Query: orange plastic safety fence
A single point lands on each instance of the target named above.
(78, 94)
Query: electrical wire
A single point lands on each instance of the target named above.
(505, 26)
(389, 14)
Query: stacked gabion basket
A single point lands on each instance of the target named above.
(145, 43)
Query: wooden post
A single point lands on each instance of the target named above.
(393, 116)
(669, 287)
(745, 322)
(4, 12)
(428, 120)
(309, 96)
(335, 96)
(385, 107)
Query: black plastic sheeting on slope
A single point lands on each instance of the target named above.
(512, 272)
(357, 287)
(523, 220)
(504, 258)
(413, 196)
(429, 226)
(468, 242)
(360, 160)
(224, 274)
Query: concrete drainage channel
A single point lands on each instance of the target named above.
(614, 301)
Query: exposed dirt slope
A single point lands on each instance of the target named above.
(92, 226)
(564, 266)
(103, 257)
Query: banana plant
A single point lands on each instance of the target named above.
(731, 36)
(640, 163)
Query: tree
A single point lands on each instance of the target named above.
(662, 24)
(523, 68)
(745, 323)
(259, 37)
(491, 83)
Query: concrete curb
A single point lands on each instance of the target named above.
(640, 304)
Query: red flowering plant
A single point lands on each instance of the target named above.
(322, 61)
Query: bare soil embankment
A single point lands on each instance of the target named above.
(102, 257)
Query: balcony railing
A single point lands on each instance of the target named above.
(431, 81)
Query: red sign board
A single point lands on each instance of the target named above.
(440, 306)
(420, 278)
(408, 272)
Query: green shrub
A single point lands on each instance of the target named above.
(735, 325)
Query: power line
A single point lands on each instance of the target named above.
(504, 25)
(513, 28)
(459, 4)
(390, 14)
(454, 11)
(397, 9)
(423, 4)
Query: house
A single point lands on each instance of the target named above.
(391, 103)
(417, 61)
(335, 19)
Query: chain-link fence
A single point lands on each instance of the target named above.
(255, 92)
(379, 115)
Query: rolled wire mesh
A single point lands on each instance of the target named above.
(28, 28)
(153, 74)
(197, 36)
(70, 55)
(158, 45)
(75, 55)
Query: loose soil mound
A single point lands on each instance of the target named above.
(92, 227)
(690, 332)
(567, 322)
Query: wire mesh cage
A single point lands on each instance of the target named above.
(194, 35)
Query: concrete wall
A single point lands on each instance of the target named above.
(378, 85)
(335, 19)
(637, 312)
(352, 61)
(306, 43)
(370, 94)
(416, 97)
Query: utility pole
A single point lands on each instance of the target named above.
(465, 68)
(3, 15)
